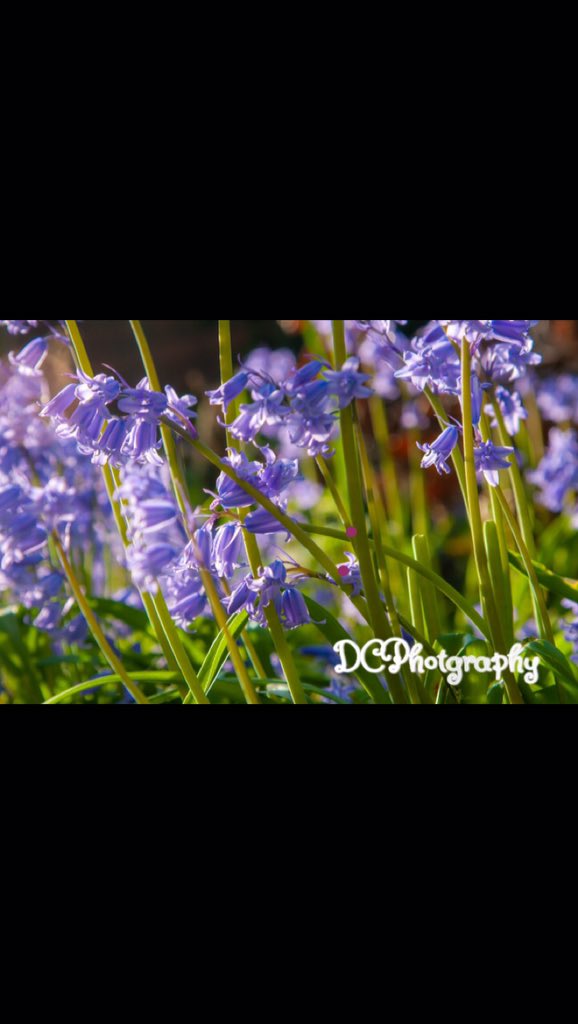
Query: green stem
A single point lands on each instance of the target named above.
(289, 525)
(543, 617)
(282, 648)
(94, 625)
(442, 585)
(422, 554)
(379, 619)
(183, 661)
(334, 491)
(518, 487)
(111, 479)
(457, 457)
(150, 607)
(473, 501)
(227, 374)
(392, 491)
(180, 490)
(168, 439)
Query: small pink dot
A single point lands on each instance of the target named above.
(352, 532)
(343, 570)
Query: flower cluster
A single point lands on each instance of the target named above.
(557, 474)
(115, 423)
(103, 418)
(44, 490)
(558, 399)
(305, 404)
(31, 358)
(430, 362)
(255, 595)
(262, 532)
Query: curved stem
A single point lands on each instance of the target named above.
(544, 618)
(379, 619)
(290, 525)
(442, 585)
(94, 625)
(179, 485)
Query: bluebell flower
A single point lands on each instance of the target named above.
(21, 536)
(313, 433)
(20, 326)
(350, 573)
(263, 523)
(230, 391)
(230, 495)
(266, 412)
(243, 598)
(292, 609)
(228, 550)
(49, 618)
(438, 453)
(512, 409)
(348, 384)
(477, 398)
(180, 410)
(276, 365)
(149, 562)
(433, 362)
(144, 409)
(270, 588)
(185, 595)
(558, 399)
(343, 689)
(110, 445)
(115, 423)
(31, 358)
(506, 363)
(154, 515)
(557, 474)
(491, 459)
(302, 377)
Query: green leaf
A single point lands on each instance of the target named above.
(219, 653)
(549, 580)
(558, 664)
(277, 689)
(133, 617)
(94, 684)
(496, 693)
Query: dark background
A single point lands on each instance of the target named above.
(186, 351)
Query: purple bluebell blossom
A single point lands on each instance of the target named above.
(438, 453)
(230, 391)
(228, 550)
(512, 409)
(348, 384)
(491, 459)
(270, 588)
(20, 326)
(350, 574)
(558, 399)
(31, 358)
(115, 423)
(557, 474)
(149, 562)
